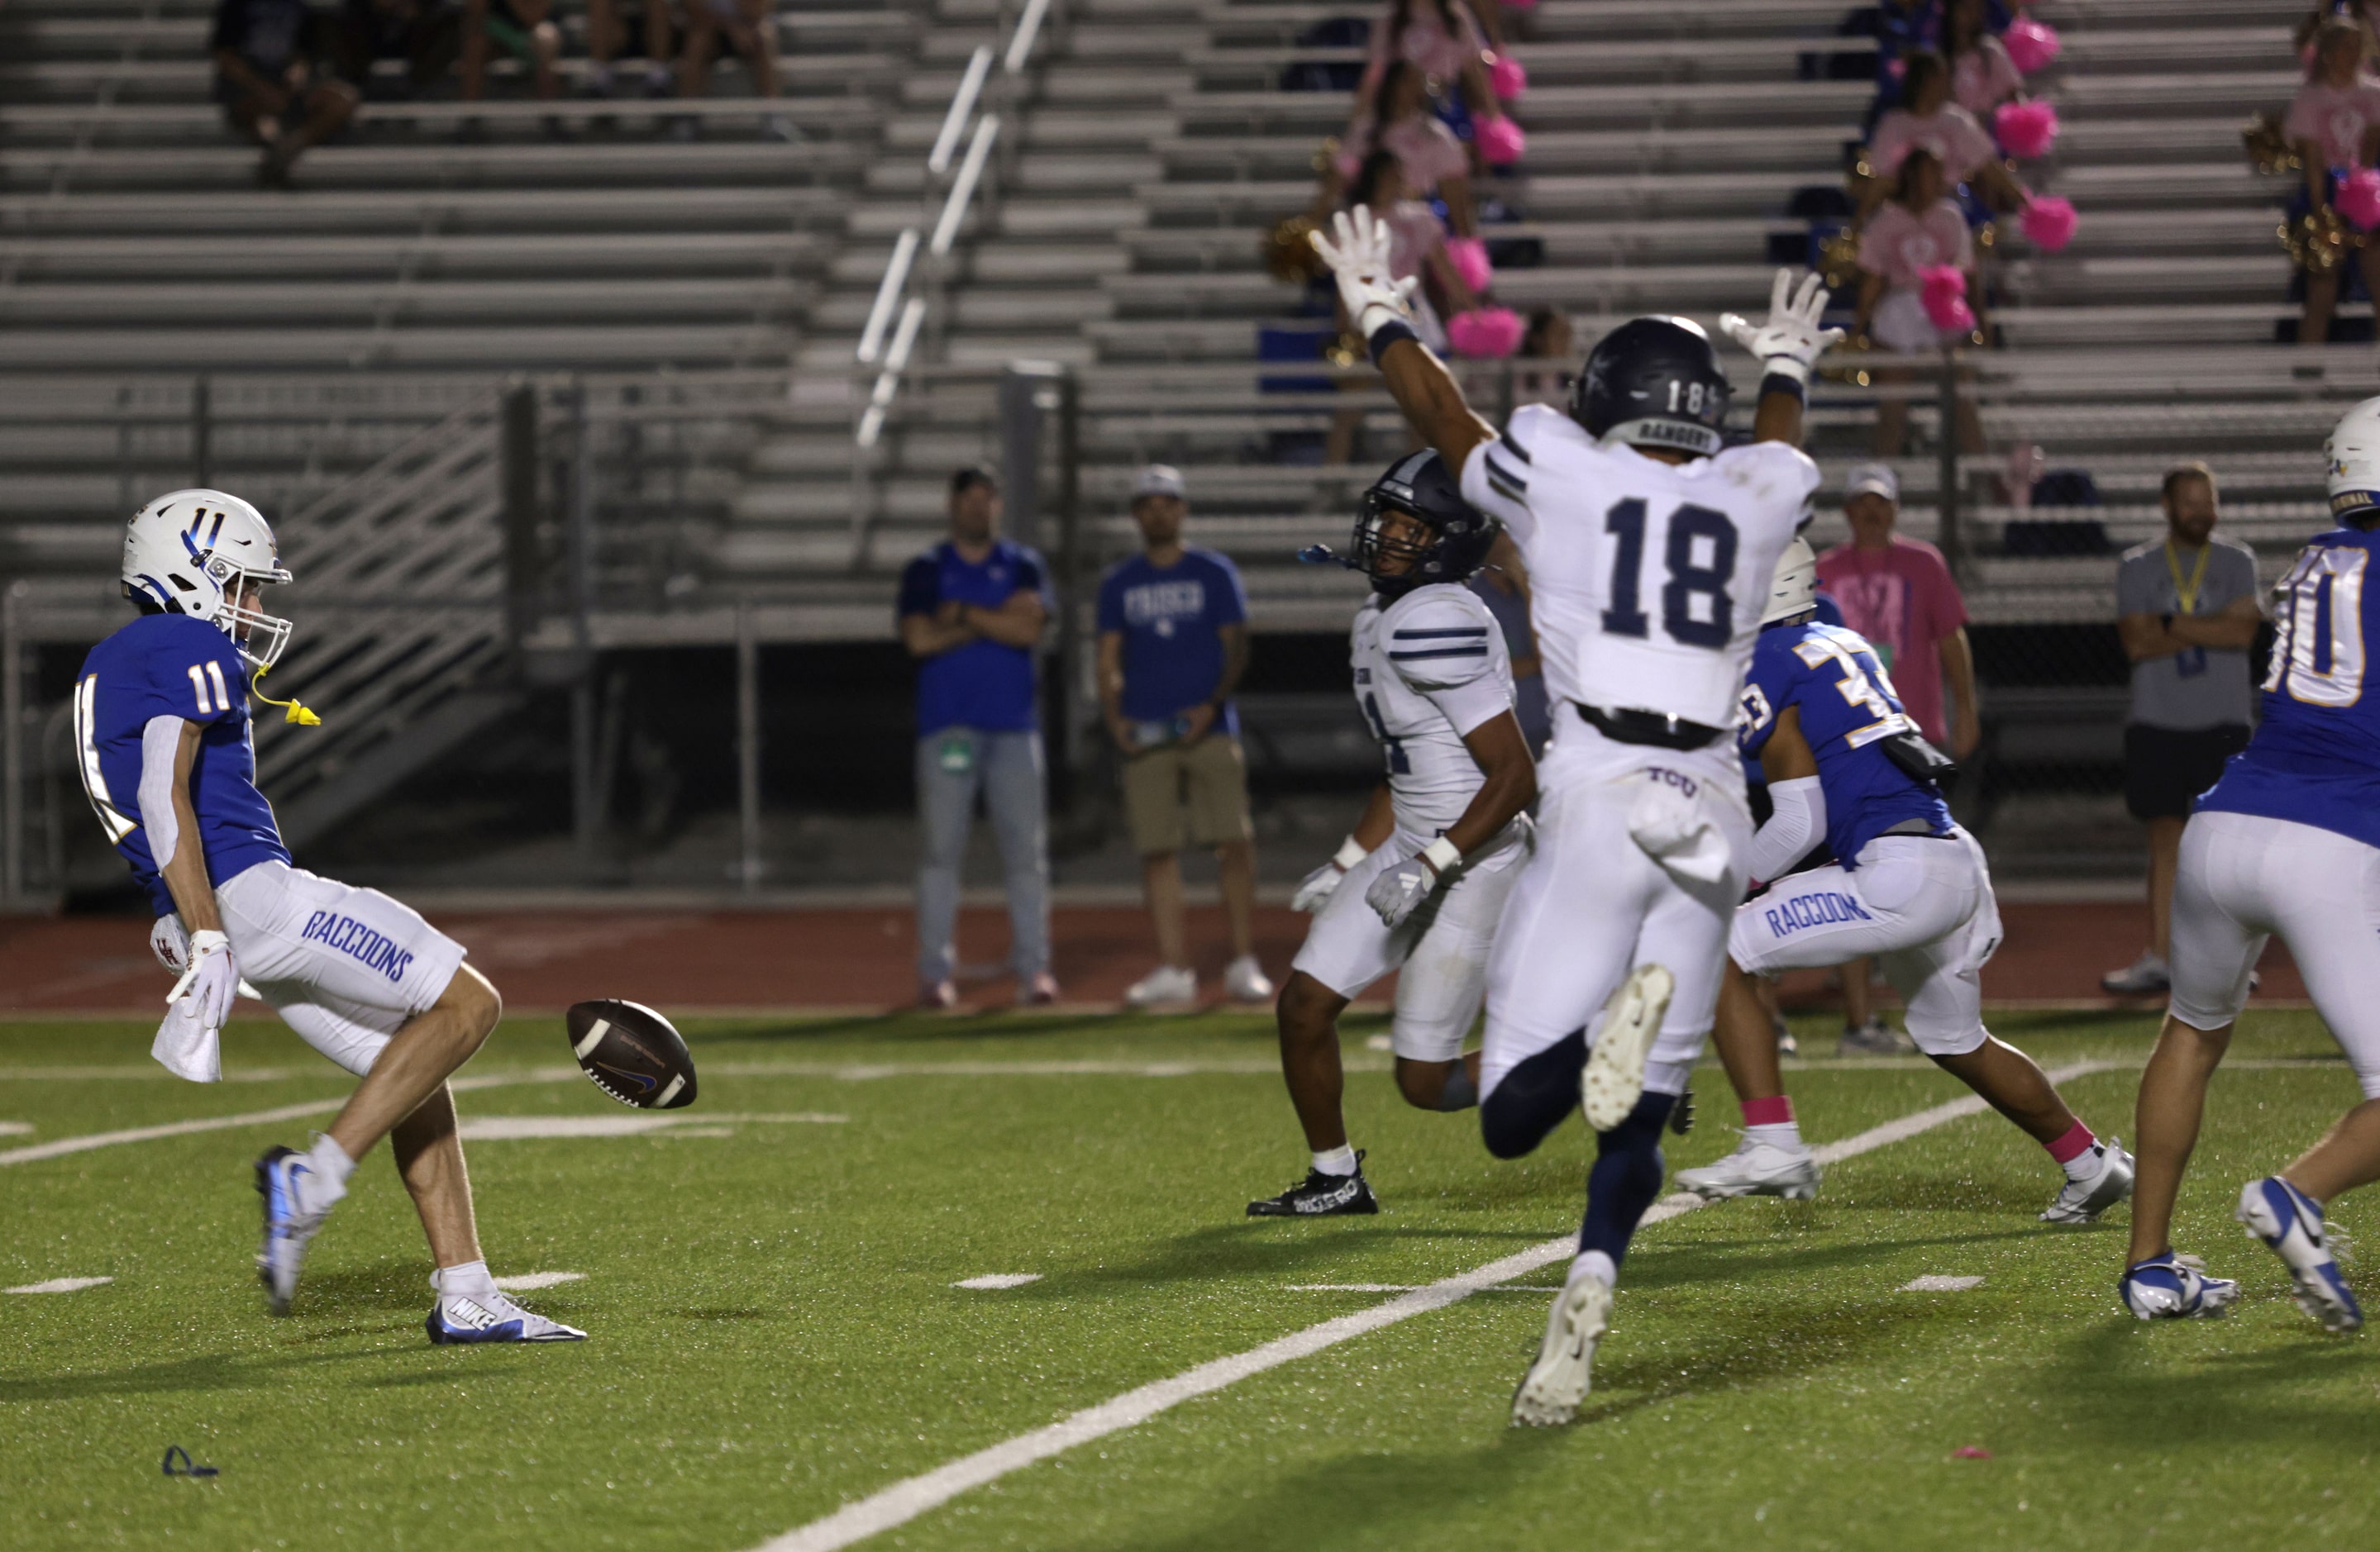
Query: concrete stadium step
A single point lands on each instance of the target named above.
(412, 301)
(1258, 297)
(1041, 172)
(343, 167)
(1818, 152)
(1747, 106)
(1162, 249)
(524, 348)
(1751, 60)
(404, 213)
(1627, 195)
(1557, 21)
(181, 258)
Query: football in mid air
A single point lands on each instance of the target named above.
(632, 1053)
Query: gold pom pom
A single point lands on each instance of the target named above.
(1345, 352)
(1839, 259)
(2268, 148)
(1289, 254)
(2319, 241)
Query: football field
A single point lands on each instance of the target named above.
(781, 1343)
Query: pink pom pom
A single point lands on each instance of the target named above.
(1506, 75)
(2031, 44)
(1500, 141)
(1485, 332)
(2026, 130)
(1469, 256)
(2358, 199)
(2048, 223)
(1946, 298)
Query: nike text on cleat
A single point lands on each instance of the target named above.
(1558, 1381)
(2289, 1222)
(1321, 1195)
(2170, 1287)
(2081, 1201)
(491, 1317)
(1614, 1080)
(287, 1226)
(1756, 1168)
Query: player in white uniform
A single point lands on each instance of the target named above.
(1421, 882)
(1650, 545)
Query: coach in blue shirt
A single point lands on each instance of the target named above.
(1173, 641)
(973, 608)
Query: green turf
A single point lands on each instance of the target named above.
(774, 1332)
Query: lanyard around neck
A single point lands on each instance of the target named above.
(2186, 593)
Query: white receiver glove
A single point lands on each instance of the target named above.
(1323, 882)
(1360, 259)
(170, 944)
(1789, 344)
(1399, 892)
(212, 980)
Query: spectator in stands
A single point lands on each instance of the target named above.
(1439, 38)
(1173, 641)
(973, 609)
(1417, 248)
(1928, 118)
(1432, 159)
(2334, 123)
(2186, 608)
(425, 35)
(1898, 592)
(1921, 227)
(2357, 11)
(607, 34)
(749, 25)
(267, 55)
(1982, 74)
(1549, 339)
(526, 30)
(1503, 586)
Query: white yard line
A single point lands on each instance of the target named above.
(906, 1500)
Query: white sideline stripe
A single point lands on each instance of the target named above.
(1000, 1280)
(1407, 1288)
(60, 1285)
(903, 1501)
(15, 1128)
(84, 1143)
(530, 1283)
(1936, 1284)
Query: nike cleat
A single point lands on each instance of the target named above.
(1756, 1168)
(2289, 1222)
(288, 1226)
(1550, 1395)
(1614, 1079)
(490, 1318)
(1321, 1195)
(2170, 1287)
(2081, 1201)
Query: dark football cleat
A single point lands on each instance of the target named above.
(1321, 1195)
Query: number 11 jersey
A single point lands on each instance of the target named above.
(1646, 578)
(183, 670)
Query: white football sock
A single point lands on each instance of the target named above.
(471, 1280)
(330, 1168)
(1339, 1160)
(1786, 1135)
(1596, 1262)
(2086, 1165)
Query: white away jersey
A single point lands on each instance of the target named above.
(1429, 668)
(1647, 579)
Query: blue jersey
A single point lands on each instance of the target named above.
(983, 684)
(1823, 606)
(171, 665)
(1848, 707)
(1171, 622)
(2315, 757)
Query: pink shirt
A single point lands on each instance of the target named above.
(1426, 149)
(1951, 133)
(1902, 600)
(1897, 243)
(2336, 119)
(1414, 235)
(1982, 79)
(1425, 43)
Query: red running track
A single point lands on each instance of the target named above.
(859, 959)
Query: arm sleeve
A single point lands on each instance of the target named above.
(161, 740)
(1441, 647)
(919, 593)
(1800, 819)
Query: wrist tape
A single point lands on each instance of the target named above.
(1351, 852)
(1442, 855)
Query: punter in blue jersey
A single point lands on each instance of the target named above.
(2286, 842)
(162, 739)
(1909, 886)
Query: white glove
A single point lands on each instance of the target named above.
(170, 944)
(1791, 342)
(1323, 882)
(211, 981)
(1399, 892)
(1360, 259)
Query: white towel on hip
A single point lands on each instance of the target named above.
(1675, 831)
(185, 1047)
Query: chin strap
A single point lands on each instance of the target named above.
(292, 711)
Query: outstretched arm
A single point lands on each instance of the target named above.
(1789, 344)
(1427, 392)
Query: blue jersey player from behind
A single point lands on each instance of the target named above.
(2287, 842)
(163, 737)
(1845, 764)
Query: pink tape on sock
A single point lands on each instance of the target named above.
(2073, 1145)
(1771, 1112)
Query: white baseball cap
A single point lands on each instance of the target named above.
(1158, 480)
(1871, 479)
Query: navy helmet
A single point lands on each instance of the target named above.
(1458, 534)
(1654, 383)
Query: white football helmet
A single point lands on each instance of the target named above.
(192, 551)
(1793, 587)
(2354, 456)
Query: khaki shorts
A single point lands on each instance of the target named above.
(1194, 795)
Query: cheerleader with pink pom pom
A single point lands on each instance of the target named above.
(1432, 159)
(1442, 39)
(1930, 120)
(1917, 289)
(2333, 126)
(1418, 246)
(1982, 75)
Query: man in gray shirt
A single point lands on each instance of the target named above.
(2188, 615)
